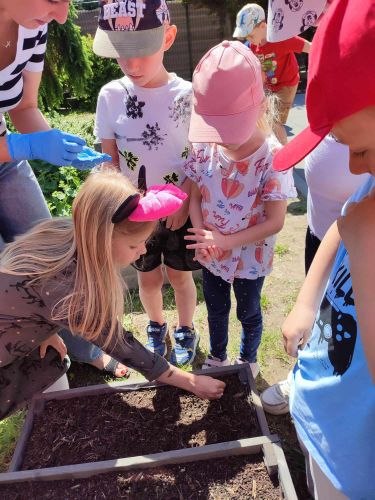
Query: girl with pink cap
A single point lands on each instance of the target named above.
(238, 202)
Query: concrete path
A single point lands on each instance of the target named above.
(297, 121)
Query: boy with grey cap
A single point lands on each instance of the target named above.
(143, 119)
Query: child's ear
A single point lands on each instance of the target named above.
(170, 36)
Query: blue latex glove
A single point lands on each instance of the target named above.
(88, 158)
(53, 146)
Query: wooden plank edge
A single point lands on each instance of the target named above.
(18, 453)
(218, 450)
(113, 387)
(285, 479)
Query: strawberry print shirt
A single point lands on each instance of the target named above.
(233, 196)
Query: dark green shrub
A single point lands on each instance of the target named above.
(103, 71)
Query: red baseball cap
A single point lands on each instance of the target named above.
(341, 79)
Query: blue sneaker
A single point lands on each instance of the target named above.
(185, 347)
(156, 338)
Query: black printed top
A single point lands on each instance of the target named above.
(25, 322)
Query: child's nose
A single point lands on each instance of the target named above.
(60, 12)
(132, 65)
(142, 250)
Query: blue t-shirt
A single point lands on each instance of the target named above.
(333, 397)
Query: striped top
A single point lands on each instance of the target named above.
(31, 47)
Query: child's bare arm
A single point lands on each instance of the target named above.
(178, 219)
(275, 215)
(358, 233)
(195, 209)
(297, 326)
(109, 146)
(306, 47)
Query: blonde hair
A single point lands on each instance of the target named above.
(95, 301)
(269, 114)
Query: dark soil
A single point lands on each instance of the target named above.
(94, 428)
(230, 478)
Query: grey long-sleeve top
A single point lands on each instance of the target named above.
(25, 322)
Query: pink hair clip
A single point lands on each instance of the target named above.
(157, 203)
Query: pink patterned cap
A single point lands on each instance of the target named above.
(228, 95)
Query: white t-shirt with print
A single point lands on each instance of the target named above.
(150, 126)
(233, 196)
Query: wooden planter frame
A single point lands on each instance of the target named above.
(274, 458)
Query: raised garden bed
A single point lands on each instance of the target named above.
(121, 427)
(233, 477)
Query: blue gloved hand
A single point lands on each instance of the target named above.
(88, 158)
(53, 146)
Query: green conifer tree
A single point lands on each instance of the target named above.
(67, 64)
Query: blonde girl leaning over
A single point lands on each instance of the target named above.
(66, 273)
(238, 202)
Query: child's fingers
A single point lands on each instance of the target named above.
(196, 246)
(195, 230)
(210, 226)
(42, 350)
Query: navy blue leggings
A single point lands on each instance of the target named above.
(249, 313)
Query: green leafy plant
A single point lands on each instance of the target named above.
(60, 185)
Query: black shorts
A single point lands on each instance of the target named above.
(172, 246)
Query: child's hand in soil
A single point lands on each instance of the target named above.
(57, 343)
(207, 387)
(297, 328)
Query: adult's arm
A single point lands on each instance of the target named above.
(35, 139)
(27, 117)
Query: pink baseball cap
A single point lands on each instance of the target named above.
(227, 95)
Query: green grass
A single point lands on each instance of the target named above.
(264, 302)
(271, 348)
(281, 249)
(10, 429)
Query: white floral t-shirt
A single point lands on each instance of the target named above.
(150, 126)
(233, 196)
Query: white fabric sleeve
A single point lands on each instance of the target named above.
(102, 128)
(278, 185)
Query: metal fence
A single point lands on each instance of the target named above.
(198, 30)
